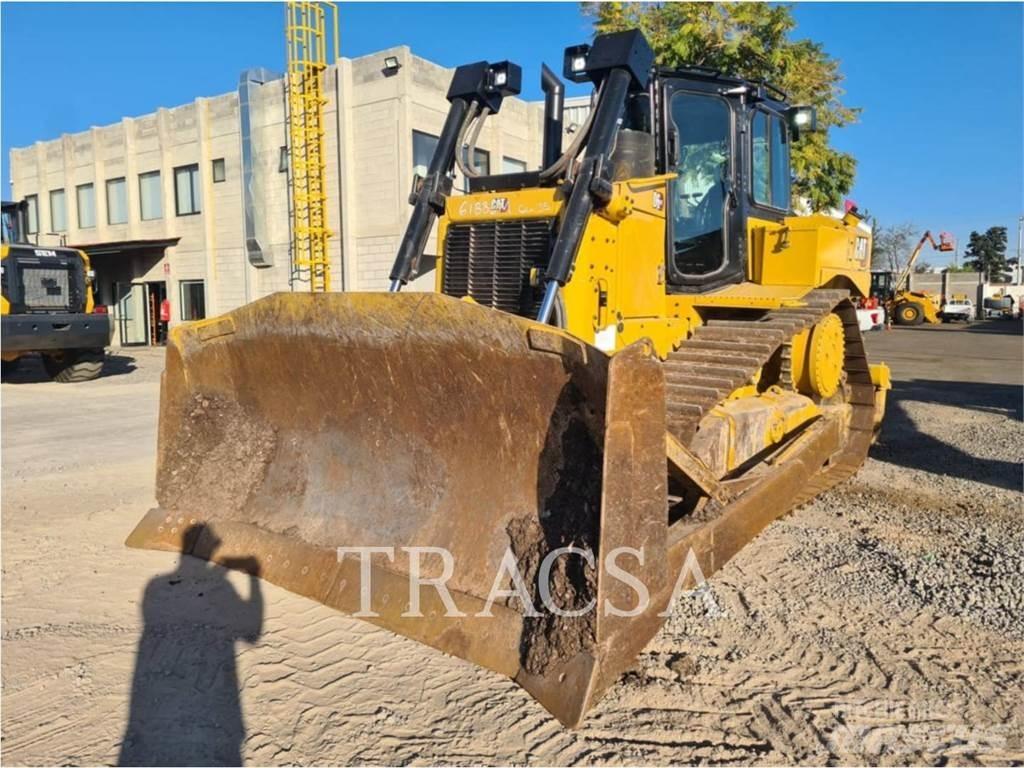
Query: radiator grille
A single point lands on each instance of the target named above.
(491, 261)
(45, 287)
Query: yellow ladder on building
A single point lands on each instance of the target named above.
(306, 34)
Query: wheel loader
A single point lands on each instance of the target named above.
(902, 305)
(47, 306)
(636, 358)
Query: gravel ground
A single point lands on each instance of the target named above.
(882, 623)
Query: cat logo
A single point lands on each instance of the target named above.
(499, 205)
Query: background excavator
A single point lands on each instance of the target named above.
(903, 306)
(636, 352)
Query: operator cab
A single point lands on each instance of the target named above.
(881, 286)
(12, 223)
(727, 142)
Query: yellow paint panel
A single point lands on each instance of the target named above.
(617, 293)
(809, 250)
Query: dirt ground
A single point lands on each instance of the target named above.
(882, 623)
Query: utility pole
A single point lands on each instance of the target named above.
(1020, 239)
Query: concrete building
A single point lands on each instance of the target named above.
(190, 204)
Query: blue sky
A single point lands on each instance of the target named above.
(939, 142)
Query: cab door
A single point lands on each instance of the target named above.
(704, 236)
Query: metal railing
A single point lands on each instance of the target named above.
(306, 32)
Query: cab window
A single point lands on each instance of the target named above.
(769, 157)
(702, 124)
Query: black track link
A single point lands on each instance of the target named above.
(726, 354)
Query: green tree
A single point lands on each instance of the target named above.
(986, 253)
(753, 40)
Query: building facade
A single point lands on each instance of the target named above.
(185, 212)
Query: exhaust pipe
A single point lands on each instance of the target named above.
(554, 101)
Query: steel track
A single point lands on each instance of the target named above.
(726, 354)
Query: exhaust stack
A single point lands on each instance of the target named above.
(554, 102)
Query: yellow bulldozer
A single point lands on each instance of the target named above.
(636, 358)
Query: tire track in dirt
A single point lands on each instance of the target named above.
(816, 644)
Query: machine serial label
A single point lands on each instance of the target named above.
(483, 207)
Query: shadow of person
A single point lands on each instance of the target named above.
(185, 706)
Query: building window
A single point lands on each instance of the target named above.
(219, 173)
(423, 146)
(282, 160)
(150, 196)
(481, 164)
(58, 211)
(511, 165)
(86, 198)
(186, 190)
(193, 300)
(117, 201)
(32, 215)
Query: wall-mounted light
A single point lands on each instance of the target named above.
(391, 65)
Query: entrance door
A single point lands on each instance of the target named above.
(132, 314)
(156, 294)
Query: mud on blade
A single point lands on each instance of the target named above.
(303, 423)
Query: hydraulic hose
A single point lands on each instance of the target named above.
(467, 163)
(562, 164)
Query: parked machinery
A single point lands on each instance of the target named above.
(47, 305)
(637, 351)
(903, 306)
(999, 306)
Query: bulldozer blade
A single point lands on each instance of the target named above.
(304, 423)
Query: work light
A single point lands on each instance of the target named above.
(505, 78)
(802, 119)
(574, 65)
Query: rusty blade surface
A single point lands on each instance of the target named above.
(307, 422)
(302, 423)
